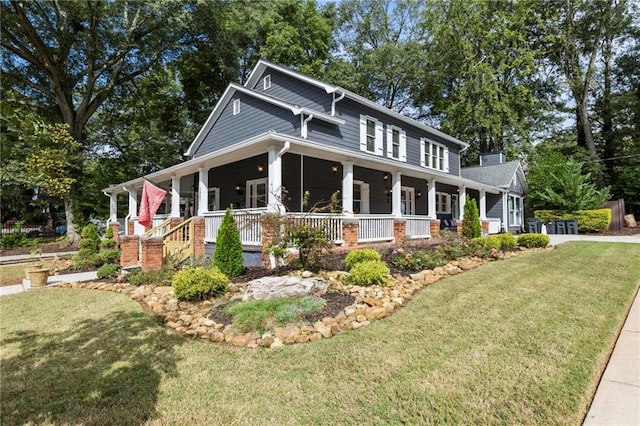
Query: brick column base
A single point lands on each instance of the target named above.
(434, 228)
(268, 235)
(128, 250)
(130, 227)
(198, 237)
(485, 227)
(459, 228)
(350, 229)
(115, 228)
(399, 229)
(151, 254)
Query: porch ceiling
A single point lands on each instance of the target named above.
(262, 142)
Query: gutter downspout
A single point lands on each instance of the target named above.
(128, 216)
(335, 101)
(303, 130)
(109, 219)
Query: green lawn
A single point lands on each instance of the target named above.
(521, 341)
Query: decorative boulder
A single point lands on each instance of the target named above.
(274, 287)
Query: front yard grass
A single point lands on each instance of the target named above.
(520, 341)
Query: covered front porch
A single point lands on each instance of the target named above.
(374, 200)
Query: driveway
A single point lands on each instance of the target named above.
(562, 238)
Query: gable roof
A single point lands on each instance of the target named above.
(234, 88)
(263, 64)
(500, 175)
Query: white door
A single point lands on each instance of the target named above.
(256, 193)
(360, 197)
(408, 201)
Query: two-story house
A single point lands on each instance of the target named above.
(283, 134)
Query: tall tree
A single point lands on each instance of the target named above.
(74, 55)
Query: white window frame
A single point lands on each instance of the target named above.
(455, 206)
(379, 135)
(214, 199)
(236, 107)
(251, 200)
(364, 197)
(514, 211)
(443, 200)
(402, 143)
(408, 200)
(266, 82)
(427, 150)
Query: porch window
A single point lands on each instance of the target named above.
(443, 203)
(256, 193)
(396, 143)
(408, 200)
(515, 210)
(434, 155)
(214, 199)
(371, 135)
(360, 197)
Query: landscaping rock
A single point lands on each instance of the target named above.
(275, 287)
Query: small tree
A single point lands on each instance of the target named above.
(87, 256)
(228, 254)
(471, 227)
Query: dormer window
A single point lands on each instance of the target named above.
(236, 107)
(396, 143)
(266, 82)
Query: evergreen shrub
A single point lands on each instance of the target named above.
(360, 255)
(109, 270)
(471, 227)
(533, 240)
(370, 272)
(199, 283)
(228, 253)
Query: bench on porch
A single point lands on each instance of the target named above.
(449, 224)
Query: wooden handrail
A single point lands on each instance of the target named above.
(178, 242)
(162, 228)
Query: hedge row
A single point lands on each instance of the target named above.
(588, 220)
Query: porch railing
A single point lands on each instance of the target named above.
(248, 222)
(375, 228)
(331, 224)
(417, 227)
(158, 229)
(178, 243)
(494, 225)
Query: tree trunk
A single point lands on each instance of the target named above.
(586, 127)
(73, 236)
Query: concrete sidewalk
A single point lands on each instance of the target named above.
(617, 399)
(563, 238)
(52, 280)
(26, 257)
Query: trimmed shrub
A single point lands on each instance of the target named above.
(418, 260)
(161, 277)
(360, 255)
(109, 256)
(89, 238)
(454, 249)
(199, 283)
(471, 227)
(109, 270)
(370, 272)
(228, 254)
(507, 241)
(87, 261)
(533, 240)
(588, 220)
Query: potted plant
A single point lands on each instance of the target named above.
(34, 263)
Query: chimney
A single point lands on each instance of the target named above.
(492, 158)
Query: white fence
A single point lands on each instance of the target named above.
(494, 225)
(248, 222)
(417, 227)
(375, 228)
(332, 225)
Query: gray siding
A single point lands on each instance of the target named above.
(320, 181)
(255, 117)
(379, 201)
(291, 181)
(516, 186)
(226, 177)
(251, 256)
(494, 206)
(294, 91)
(492, 158)
(421, 186)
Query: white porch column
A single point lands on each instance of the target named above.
(431, 199)
(113, 208)
(274, 188)
(203, 190)
(483, 204)
(175, 196)
(396, 195)
(505, 211)
(347, 188)
(133, 203)
(462, 200)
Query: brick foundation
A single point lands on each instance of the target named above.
(399, 229)
(129, 250)
(350, 229)
(130, 227)
(152, 254)
(434, 228)
(268, 234)
(459, 228)
(115, 228)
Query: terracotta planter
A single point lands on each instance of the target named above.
(39, 277)
(30, 268)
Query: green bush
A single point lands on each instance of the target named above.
(199, 283)
(108, 244)
(588, 220)
(89, 238)
(161, 277)
(418, 260)
(13, 240)
(360, 255)
(507, 241)
(88, 261)
(533, 240)
(453, 249)
(370, 272)
(228, 254)
(109, 256)
(471, 227)
(108, 270)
